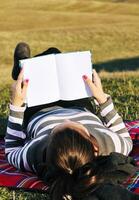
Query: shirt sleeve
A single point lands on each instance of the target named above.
(114, 122)
(15, 147)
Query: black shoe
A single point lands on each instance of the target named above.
(51, 50)
(22, 51)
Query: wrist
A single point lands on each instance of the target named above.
(102, 99)
(16, 104)
(17, 108)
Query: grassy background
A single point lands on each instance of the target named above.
(109, 28)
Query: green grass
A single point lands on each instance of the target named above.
(108, 28)
(6, 194)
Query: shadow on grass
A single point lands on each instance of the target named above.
(3, 125)
(124, 64)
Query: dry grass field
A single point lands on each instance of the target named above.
(109, 28)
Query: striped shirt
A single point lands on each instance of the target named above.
(22, 147)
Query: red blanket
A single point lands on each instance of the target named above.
(13, 178)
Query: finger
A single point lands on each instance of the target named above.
(20, 76)
(96, 76)
(96, 79)
(20, 80)
(89, 83)
(25, 86)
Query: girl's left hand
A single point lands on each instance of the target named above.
(96, 87)
(19, 90)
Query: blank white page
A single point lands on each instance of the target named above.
(43, 83)
(71, 68)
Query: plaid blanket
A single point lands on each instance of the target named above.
(12, 178)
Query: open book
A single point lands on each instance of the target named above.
(57, 77)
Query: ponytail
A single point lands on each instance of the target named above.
(74, 186)
(67, 170)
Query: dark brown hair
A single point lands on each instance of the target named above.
(67, 158)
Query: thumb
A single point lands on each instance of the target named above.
(89, 82)
(25, 85)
